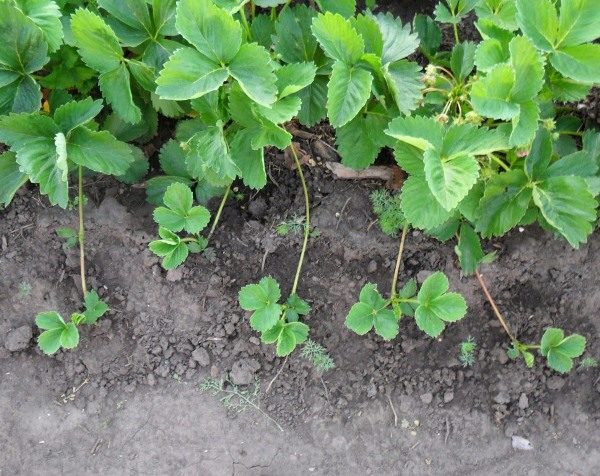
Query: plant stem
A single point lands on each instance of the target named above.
(245, 23)
(456, 37)
(306, 221)
(494, 307)
(81, 235)
(398, 262)
(219, 212)
(500, 162)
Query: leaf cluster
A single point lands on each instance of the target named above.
(179, 214)
(277, 323)
(432, 307)
(57, 333)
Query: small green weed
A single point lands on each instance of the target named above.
(467, 352)
(317, 355)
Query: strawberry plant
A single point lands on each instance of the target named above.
(178, 215)
(279, 323)
(59, 334)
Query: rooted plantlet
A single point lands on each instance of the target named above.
(179, 214)
(432, 306)
(558, 350)
(278, 323)
(59, 334)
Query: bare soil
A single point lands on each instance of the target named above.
(137, 408)
(127, 401)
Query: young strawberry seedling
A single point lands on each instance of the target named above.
(57, 334)
(279, 323)
(432, 306)
(179, 214)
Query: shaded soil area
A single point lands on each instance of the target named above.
(127, 399)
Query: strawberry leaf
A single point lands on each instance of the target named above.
(262, 299)
(437, 306)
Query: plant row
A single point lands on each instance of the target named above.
(484, 130)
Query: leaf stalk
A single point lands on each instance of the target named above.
(81, 234)
(306, 222)
(494, 306)
(219, 213)
(398, 262)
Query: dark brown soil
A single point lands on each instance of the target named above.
(127, 401)
(140, 379)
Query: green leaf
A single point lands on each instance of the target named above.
(116, 89)
(539, 155)
(300, 331)
(372, 311)
(156, 186)
(11, 178)
(272, 335)
(69, 337)
(450, 179)
(462, 60)
(404, 81)
(386, 324)
(568, 206)
(49, 341)
(539, 22)
(455, 11)
(173, 251)
(529, 358)
(208, 153)
(346, 8)
(490, 95)
(76, 113)
(46, 15)
(286, 342)
(188, 75)
(95, 308)
(99, 151)
(294, 40)
(469, 250)
(338, 38)
(24, 52)
(49, 320)
(262, 299)
(360, 141)
(421, 209)
(581, 63)
(499, 12)
(572, 346)
(130, 20)
(429, 34)
(421, 132)
(559, 361)
(368, 28)
(179, 213)
(349, 90)
(437, 306)
(294, 77)
(296, 307)
(398, 40)
(251, 162)
(43, 165)
(528, 65)
(314, 100)
(253, 70)
(504, 203)
(578, 22)
(97, 44)
(211, 30)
